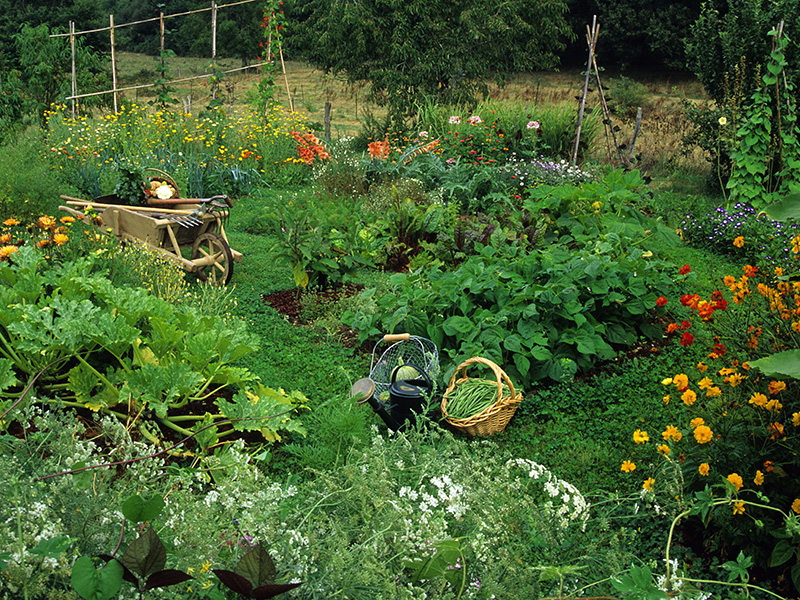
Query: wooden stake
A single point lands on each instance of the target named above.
(74, 75)
(285, 79)
(113, 63)
(592, 41)
(214, 49)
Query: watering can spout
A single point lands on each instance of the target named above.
(363, 391)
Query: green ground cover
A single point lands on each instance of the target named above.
(653, 455)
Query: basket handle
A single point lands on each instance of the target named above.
(498, 372)
(397, 337)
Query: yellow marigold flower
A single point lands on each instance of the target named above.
(671, 432)
(778, 272)
(67, 219)
(759, 478)
(729, 281)
(697, 422)
(734, 379)
(705, 383)
(648, 484)
(714, 392)
(725, 371)
(640, 437)
(663, 449)
(627, 466)
(5, 238)
(796, 505)
(736, 481)
(46, 222)
(776, 386)
(6, 251)
(796, 244)
(796, 419)
(773, 405)
(60, 239)
(665, 399)
(10, 222)
(681, 381)
(758, 399)
(702, 367)
(739, 241)
(738, 508)
(703, 434)
(796, 326)
(689, 397)
(667, 381)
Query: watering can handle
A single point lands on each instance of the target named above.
(396, 337)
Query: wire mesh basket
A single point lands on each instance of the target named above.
(397, 350)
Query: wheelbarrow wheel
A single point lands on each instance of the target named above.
(213, 258)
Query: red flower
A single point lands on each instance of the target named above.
(719, 349)
(661, 301)
(687, 339)
(684, 269)
(685, 324)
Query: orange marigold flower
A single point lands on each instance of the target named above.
(689, 397)
(684, 269)
(661, 301)
(67, 219)
(42, 243)
(768, 466)
(725, 371)
(759, 478)
(5, 238)
(796, 244)
(702, 367)
(10, 222)
(672, 327)
(648, 484)
(713, 392)
(776, 387)
(6, 251)
(773, 405)
(796, 505)
(671, 432)
(730, 282)
(796, 419)
(60, 239)
(778, 272)
(734, 379)
(627, 466)
(775, 430)
(738, 508)
(705, 383)
(697, 422)
(665, 399)
(758, 399)
(46, 222)
(749, 270)
(663, 449)
(640, 437)
(736, 480)
(703, 434)
(739, 241)
(704, 469)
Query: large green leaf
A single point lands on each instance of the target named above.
(782, 364)
(93, 584)
(145, 555)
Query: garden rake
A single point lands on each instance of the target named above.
(219, 205)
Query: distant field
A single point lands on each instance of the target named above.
(310, 89)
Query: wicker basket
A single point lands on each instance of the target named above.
(492, 419)
(160, 176)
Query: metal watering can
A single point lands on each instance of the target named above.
(407, 398)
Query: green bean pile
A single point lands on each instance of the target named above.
(471, 397)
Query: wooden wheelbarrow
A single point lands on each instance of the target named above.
(170, 227)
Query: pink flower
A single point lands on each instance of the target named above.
(455, 120)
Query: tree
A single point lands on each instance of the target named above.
(440, 49)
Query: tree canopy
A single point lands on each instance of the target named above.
(440, 49)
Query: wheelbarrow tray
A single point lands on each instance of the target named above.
(211, 255)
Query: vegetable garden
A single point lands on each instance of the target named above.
(162, 437)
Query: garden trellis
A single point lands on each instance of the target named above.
(161, 18)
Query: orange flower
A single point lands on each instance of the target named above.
(10, 222)
(46, 222)
(60, 239)
(627, 466)
(703, 434)
(5, 238)
(796, 505)
(6, 251)
(689, 397)
(759, 478)
(773, 406)
(663, 449)
(739, 241)
(736, 480)
(67, 219)
(672, 327)
(713, 392)
(697, 422)
(702, 367)
(734, 379)
(776, 386)
(758, 399)
(776, 430)
(704, 469)
(681, 381)
(796, 419)
(768, 466)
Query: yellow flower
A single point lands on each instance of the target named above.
(705, 383)
(60, 239)
(7, 251)
(46, 222)
(796, 419)
(759, 479)
(681, 381)
(667, 381)
(702, 367)
(10, 222)
(704, 469)
(758, 399)
(796, 505)
(627, 466)
(697, 422)
(648, 484)
(666, 399)
(738, 508)
(640, 437)
(734, 379)
(713, 392)
(673, 433)
(776, 386)
(206, 566)
(739, 241)
(689, 397)
(703, 434)
(663, 449)
(736, 480)
(773, 405)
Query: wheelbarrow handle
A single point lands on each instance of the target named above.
(397, 337)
